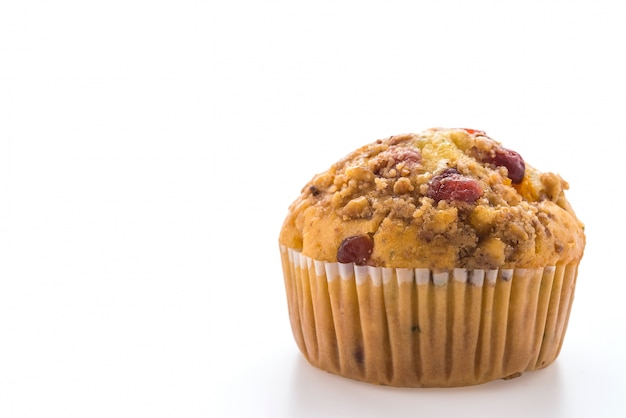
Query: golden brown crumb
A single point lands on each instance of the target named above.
(443, 198)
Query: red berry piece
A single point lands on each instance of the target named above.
(513, 162)
(474, 131)
(356, 249)
(452, 186)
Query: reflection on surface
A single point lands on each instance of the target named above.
(316, 393)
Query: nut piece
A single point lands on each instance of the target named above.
(359, 173)
(403, 186)
(357, 208)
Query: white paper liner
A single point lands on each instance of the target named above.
(424, 328)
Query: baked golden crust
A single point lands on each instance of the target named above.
(497, 214)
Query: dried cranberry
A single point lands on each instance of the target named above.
(473, 131)
(513, 162)
(452, 186)
(356, 249)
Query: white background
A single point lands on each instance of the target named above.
(149, 152)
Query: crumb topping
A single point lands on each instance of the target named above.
(443, 198)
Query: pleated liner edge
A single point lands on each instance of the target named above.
(425, 328)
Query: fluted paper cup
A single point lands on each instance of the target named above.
(426, 328)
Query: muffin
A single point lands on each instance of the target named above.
(436, 259)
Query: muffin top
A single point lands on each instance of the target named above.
(440, 199)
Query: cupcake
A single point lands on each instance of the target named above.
(437, 259)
